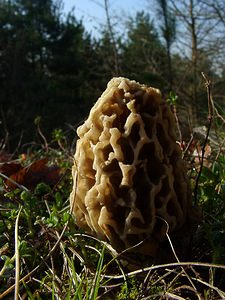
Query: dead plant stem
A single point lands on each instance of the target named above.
(210, 119)
(17, 257)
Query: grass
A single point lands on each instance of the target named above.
(44, 255)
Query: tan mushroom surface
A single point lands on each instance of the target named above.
(130, 182)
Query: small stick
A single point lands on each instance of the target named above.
(210, 119)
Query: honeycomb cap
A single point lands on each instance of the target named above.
(130, 182)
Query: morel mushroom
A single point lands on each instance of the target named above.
(130, 183)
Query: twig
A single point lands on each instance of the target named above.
(155, 267)
(221, 293)
(188, 146)
(175, 255)
(177, 123)
(170, 295)
(22, 187)
(221, 147)
(210, 119)
(4, 141)
(37, 122)
(18, 144)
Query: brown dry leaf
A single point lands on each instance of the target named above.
(9, 169)
(4, 156)
(31, 175)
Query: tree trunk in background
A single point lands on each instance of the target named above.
(113, 40)
(168, 29)
(194, 58)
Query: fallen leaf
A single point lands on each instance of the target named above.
(31, 175)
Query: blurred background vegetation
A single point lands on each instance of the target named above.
(52, 70)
